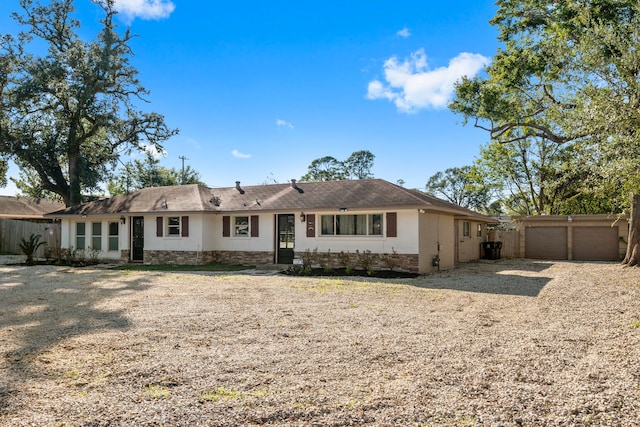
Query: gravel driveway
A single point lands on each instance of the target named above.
(502, 343)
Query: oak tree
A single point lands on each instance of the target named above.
(68, 112)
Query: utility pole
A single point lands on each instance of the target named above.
(183, 158)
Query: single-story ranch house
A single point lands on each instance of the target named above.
(275, 224)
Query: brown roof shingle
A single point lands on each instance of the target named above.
(327, 195)
(26, 207)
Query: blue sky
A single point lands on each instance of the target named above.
(259, 89)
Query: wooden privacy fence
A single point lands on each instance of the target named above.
(13, 231)
(510, 239)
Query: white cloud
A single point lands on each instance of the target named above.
(282, 123)
(145, 9)
(239, 155)
(153, 151)
(411, 85)
(404, 33)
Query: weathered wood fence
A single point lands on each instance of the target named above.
(13, 231)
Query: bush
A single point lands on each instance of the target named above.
(30, 246)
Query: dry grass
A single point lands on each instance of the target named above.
(506, 343)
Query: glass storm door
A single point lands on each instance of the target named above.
(137, 238)
(286, 238)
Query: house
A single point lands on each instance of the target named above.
(20, 217)
(27, 208)
(275, 224)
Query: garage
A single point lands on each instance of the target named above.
(595, 243)
(546, 243)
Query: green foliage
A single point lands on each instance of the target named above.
(463, 186)
(567, 75)
(357, 166)
(142, 174)
(30, 246)
(69, 113)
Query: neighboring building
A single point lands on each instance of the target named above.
(20, 217)
(274, 224)
(27, 208)
(572, 237)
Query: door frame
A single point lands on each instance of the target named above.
(132, 238)
(278, 254)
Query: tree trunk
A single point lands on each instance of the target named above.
(633, 242)
(75, 193)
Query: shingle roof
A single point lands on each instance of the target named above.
(26, 207)
(328, 195)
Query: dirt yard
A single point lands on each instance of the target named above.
(505, 343)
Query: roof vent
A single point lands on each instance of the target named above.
(240, 190)
(294, 185)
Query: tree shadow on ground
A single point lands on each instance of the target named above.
(38, 311)
(502, 277)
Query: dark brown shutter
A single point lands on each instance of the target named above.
(159, 226)
(185, 226)
(311, 225)
(226, 226)
(392, 224)
(254, 226)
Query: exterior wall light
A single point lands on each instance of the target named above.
(303, 217)
(122, 219)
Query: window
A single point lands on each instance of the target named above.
(479, 231)
(80, 235)
(466, 229)
(351, 225)
(173, 226)
(113, 236)
(241, 226)
(96, 236)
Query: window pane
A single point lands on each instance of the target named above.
(96, 228)
(242, 226)
(113, 229)
(173, 226)
(113, 243)
(80, 228)
(351, 225)
(96, 243)
(327, 225)
(375, 224)
(80, 243)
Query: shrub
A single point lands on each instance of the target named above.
(391, 261)
(344, 259)
(364, 259)
(30, 246)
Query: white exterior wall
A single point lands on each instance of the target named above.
(68, 235)
(405, 243)
(173, 243)
(263, 243)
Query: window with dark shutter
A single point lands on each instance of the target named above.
(311, 225)
(254, 226)
(226, 226)
(185, 226)
(392, 224)
(159, 226)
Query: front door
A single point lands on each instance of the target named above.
(137, 239)
(286, 238)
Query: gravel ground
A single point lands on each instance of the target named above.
(504, 343)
